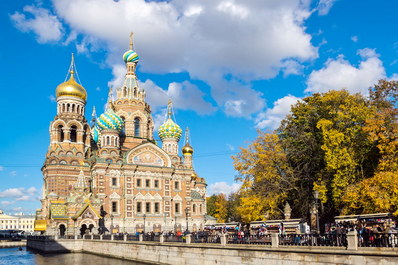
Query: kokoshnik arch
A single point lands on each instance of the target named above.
(113, 174)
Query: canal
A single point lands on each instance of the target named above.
(15, 256)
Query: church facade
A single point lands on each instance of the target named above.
(111, 175)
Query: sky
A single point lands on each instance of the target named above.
(231, 67)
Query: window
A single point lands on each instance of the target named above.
(114, 207)
(138, 182)
(177, 208)
(177, 185)
(114, 181)
(156, 207)
(73, 134)
(139, 207)
(60, 133)
(194, 208)
(147, 183)
(156, 183)
(137, 127)
(148, 207)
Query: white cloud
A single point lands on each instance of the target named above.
(1, 168)
(339, 73)
(13, 173)
(12, 192)
(185, 96)
(52, 98)
(210, 40)
(19, 194)
(272, 117)
(324, 6)
(31, 191)
(46, 26)
(223, 187)
(6, 203)
(354, 38)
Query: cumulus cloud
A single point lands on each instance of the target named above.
(223, 187)
(271, 118)
(19, 194)
(324, 6)
(341, 74)
(210, 40)
(46, 26)
(185, 96)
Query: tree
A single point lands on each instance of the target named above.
(211, 205)
(266, 178)
(221, 205)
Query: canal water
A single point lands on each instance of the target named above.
(14, 256)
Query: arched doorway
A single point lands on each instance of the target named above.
(83, 229)
(62, 230)
(90, 228)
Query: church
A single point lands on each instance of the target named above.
(110, 174)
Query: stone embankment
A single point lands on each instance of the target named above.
(12, 244)
(180, 253)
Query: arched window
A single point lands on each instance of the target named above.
(73, 107)
(137, 127)
(60, 133)
(68, 107)
(200, 208)
(124, 92)
(73, 134)
(194, 208)
(107, 141)
(85, 133)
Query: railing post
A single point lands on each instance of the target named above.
(161, 238)
(75, 237)
(92, 236)
(112, 237)
(141, 237)
(101, 237)
(275, 240)
(188, 238)
(84, 236)
(223, 239)
(352, 240)
(56, 237)
(125, 237)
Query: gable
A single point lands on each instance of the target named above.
(87, 211)
(148, 154)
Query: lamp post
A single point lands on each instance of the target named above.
(186, 215)
(144, 222)
(111, 224)
(316, 196)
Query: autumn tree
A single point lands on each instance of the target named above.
(266, 178)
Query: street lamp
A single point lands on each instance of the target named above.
(144, 222)
(186, 215)
(316, 196)
(111, 223)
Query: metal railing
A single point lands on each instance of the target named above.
(384, 240)
(249, 239)
(328, 240)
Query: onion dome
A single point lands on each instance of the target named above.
(71, 88)
(95, 133)
(110, 120)
(169, 129)
(131, 55)
(187, 149)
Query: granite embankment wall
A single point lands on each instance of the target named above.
(203, 254)
(12, 244)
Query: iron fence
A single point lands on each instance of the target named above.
(330, 240)
(385, 240)
(249, 239)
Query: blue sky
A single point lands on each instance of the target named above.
(231, 67)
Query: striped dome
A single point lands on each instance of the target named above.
(110, 120)
(170, 129)
(130, 56)
(95, 133)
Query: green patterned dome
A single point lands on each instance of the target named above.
(170, 129)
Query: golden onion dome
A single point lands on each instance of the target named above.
(71, 88)
(187, 149)
(194, 176)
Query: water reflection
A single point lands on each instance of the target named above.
(14, 256)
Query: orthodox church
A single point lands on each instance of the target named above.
(111, 175)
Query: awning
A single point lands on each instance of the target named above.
(40, 225)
